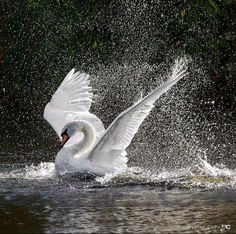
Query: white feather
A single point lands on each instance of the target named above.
(71, 102)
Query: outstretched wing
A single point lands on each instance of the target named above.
(119, 134)
(71, 102)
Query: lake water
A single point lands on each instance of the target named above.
(33, 199)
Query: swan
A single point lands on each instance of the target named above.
(86, 145)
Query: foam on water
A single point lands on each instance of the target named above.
(202, 176)
(44, 170)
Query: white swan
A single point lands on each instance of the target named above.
(90, 147)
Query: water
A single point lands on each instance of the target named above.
(35, 199)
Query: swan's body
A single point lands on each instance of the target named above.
(91, 147)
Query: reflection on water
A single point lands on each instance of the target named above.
(60, 205)
(22, 214)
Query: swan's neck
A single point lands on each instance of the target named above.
(83, 147)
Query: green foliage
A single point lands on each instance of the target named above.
(39, 33)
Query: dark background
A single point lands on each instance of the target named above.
(127, 47)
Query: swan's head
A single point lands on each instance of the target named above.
(70, 130)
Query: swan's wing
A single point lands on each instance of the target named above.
(71, 102)
(122, 130)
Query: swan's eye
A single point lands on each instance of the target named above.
(64, 132)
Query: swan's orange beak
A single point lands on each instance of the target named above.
(65, 138)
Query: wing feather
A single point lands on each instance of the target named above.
(71, 102)
(74, 94)
(122, 130)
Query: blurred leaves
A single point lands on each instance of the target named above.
(214, 5)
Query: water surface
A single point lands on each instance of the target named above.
(34, 200)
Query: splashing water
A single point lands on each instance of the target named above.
(202, 176)
(43, 171)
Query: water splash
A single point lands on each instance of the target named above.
(201, 176)
(45, 170)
